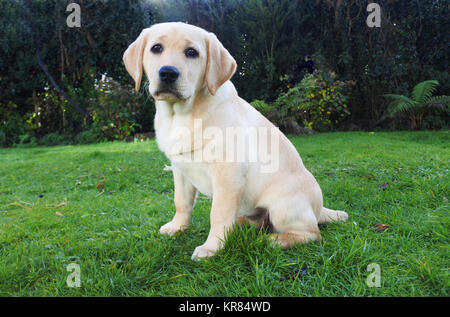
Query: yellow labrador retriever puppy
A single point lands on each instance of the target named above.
(197, 106)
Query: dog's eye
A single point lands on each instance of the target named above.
(190, 52)
(157, 49)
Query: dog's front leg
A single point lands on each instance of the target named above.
(184, 198)
(227, 188)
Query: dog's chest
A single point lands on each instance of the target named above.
(166, 125)
(175, 137)
(197, 174)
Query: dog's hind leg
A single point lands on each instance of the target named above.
(260, 219)
(286, 240)
(293, 222)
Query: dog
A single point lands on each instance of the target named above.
(189, 74)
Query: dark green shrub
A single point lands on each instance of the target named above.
(53, 113)
(264, 108)
(117, 110)
(88, 137)
(27, 140)
(54, 138)
(2, 138)
(419, 103)
(318, 102)
(437, 118)
(11, 129)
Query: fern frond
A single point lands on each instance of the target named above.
(423, 91)
(442, 101)
(400, 103)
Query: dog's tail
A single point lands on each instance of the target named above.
(329, 215)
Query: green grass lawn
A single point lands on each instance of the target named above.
(52, 214)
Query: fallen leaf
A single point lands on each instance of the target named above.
(59, 214)
(381, 227)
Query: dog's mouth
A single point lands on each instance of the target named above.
(167, 94)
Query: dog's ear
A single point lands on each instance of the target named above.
(133, 57)
(220, 65)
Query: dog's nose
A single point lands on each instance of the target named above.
(168, 74)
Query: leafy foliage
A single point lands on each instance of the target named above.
(268, 38)
(117, 110)
(420, 101)
(318, 102)
(77, 58)
(264, 108)
(10, 130)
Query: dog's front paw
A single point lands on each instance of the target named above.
(171, 228)
(203, 251)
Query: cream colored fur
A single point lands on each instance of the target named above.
(291, 195)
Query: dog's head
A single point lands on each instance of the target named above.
(179, 60)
